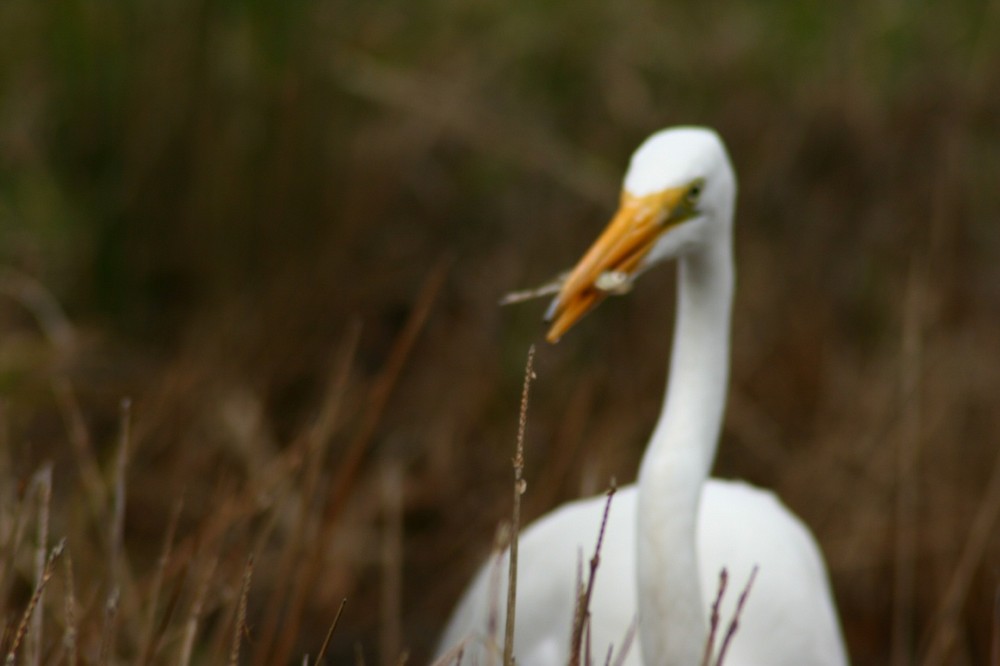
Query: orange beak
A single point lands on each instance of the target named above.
(620, 249)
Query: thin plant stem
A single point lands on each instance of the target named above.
(240, 626)
(43, 486)
(29, 611)
(582, 616)
(734, 624)
(519, 488)
(713, 620)
(329, 633)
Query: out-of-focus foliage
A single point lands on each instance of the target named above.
(217, 193)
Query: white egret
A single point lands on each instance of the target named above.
(670, 535)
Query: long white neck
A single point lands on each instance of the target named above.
(672, 620)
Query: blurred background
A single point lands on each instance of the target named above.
(280, 231)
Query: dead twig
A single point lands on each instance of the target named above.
(713, 620)
(43, 487)
(550, 288)
(734, 623)
(581, 615)
(36, 596)
(241, 613)
(519, 488)
(329, 632)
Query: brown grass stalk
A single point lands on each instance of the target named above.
(501, 540)
(168, 612)
(713, 619)
(734, 623)
(519, 488)
(329, 633)
(117, 531)
(33, 603)
(118, 568)
(42, 483)
(581, 615)
(240, 624)
(194, 615)
(149, 636)
(109, 632)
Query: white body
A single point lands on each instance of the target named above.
(670, 536)
(738, 527)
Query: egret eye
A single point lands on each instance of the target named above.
(693, 193)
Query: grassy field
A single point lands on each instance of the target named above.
(250, 255)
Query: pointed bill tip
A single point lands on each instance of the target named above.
(571, 311)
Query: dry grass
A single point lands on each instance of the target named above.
(282, 229)
(515, 521)
(580, 645)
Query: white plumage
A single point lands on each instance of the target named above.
(670, 535)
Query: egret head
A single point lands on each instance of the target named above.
(677, 198)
